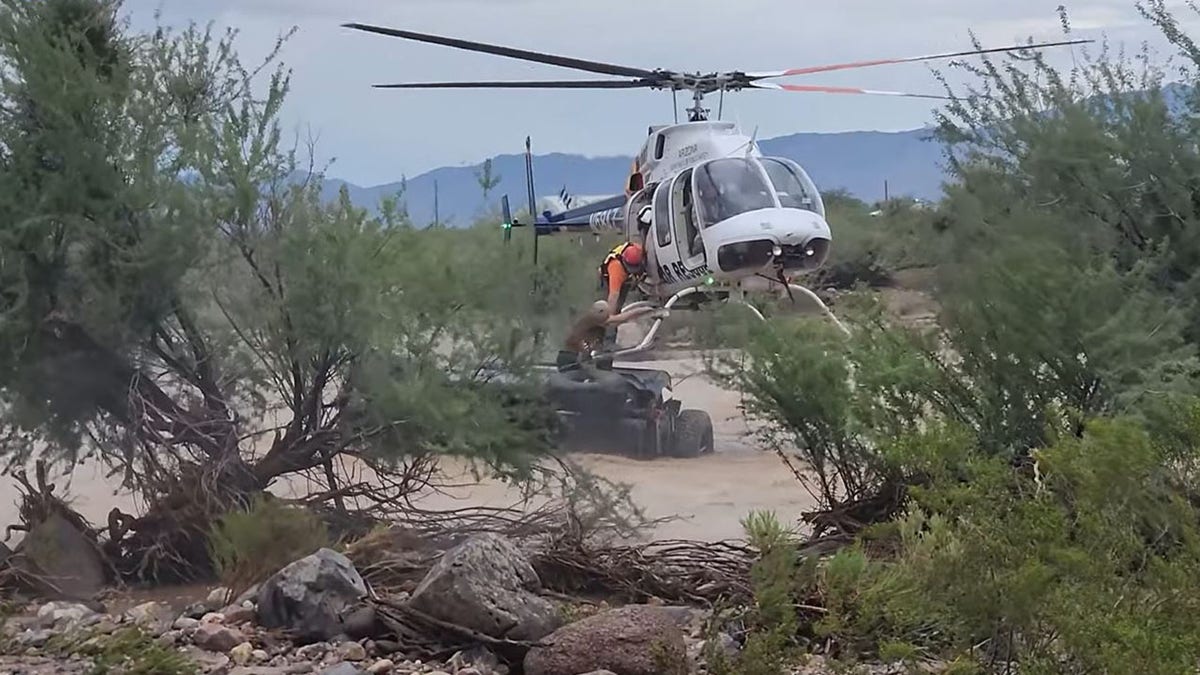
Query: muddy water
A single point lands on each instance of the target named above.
(707, 495)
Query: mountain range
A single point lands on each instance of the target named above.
(858, 161)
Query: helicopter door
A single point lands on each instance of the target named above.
(665, 254)
(683, 215)
(679, 256)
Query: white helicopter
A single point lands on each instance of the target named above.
(710, 210)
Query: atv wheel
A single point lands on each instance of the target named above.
(693, 434)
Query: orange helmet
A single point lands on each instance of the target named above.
(633, 255)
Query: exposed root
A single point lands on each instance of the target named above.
(39, 503)
(675, 571)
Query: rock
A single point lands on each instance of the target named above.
(600, 672)
(352, 651)
(153, 617)
(235, 614)
(60, 614)
(631, 640)
(209, 662)
(312, 652)
(259, 655)
(387, 646)
(241, 654)
(312, 596)
(217, 598)
(213, 617)
(56, 551)
(217, 638)
(359, 622)
(476, 657)
(381, 666)
(35, 638)
(196, 610)
(485, 583)
(170, 638)
(343, 668)
(249, 595)
(185, 623)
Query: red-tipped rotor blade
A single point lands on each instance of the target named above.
(911, 59)
(819, 89)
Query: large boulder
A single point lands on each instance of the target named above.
(630, 640)
(487, 584)
(317, 596)
(65, 562)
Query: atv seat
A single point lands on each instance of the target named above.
(577, 391)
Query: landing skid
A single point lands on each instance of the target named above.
(734, 296)
(649, 337)
(820, 303)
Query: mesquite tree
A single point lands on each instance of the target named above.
(172, 303)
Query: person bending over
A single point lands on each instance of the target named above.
(586, 336)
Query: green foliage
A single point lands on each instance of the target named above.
(772, 624)
(247, 546)
(127, 650)
(1088, 564)
(1045, 433)
(1103, 153)
(871, 246)
(161, 272)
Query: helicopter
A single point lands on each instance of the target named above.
(709, 208)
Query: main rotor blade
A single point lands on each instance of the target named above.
(539, 57)
(910, 59)
(522, 84)
(819, 89)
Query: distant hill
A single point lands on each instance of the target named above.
(858, 162)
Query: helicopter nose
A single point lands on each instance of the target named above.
(805, 257)
(796, 240)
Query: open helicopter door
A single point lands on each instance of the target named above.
(678, 247)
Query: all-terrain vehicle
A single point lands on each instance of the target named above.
(633, 413)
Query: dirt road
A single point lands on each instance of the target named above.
(709, 495)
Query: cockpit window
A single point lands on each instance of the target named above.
(728, 187)
(792, 186)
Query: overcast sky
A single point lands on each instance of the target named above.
(374, 136)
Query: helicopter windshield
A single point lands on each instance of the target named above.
(728, 187)
(793, 187)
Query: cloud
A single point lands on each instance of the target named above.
(378, 135)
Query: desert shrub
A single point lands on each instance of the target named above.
(175, 306)
(869, 249)
(771, 624)
(247, 546)
(1086, 565)
(127, 650)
